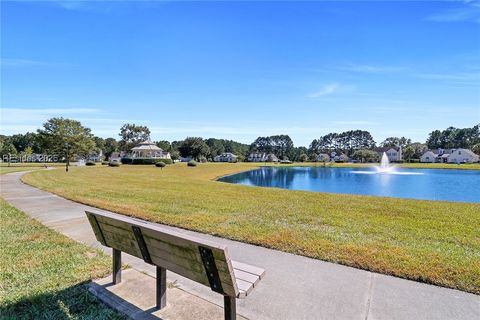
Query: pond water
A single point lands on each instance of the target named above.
(427, 184)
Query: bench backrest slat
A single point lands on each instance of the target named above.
(172, 250)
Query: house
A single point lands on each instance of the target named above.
(95, 157)
(262, 157)
(450, 156)
(323, 157)
(462, 156)
(428, 157)
(339, 157)
(225, 157)
(393, 154)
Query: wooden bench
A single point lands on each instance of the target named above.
(199, 260)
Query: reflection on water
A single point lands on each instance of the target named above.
(429, 184)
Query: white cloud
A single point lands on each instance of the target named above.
(325, 90)
(469, 11)
(461, 79)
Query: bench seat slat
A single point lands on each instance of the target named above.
(245, 276)
(248, 268)
(245, 286)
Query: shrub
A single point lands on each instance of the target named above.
(160, 164)
(126, 160)
(192, 163)
(114, 164)
(143, 161)
(166, 161)
(90, 163)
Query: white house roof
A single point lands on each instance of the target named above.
(147, 145)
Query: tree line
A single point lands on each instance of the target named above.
(68, 139)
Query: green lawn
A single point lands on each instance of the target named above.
(4, 170)
(16, 167)
(433, 242)
(44, 274)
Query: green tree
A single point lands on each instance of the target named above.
(8, 151)
(66, 138)
(23, 141)
(394, 142)
(344, 142)
(280, 145)
(194, 147)
(420, 149)
(111, 146)
(131, 135)
(454, 138)
(303, 157)
(476, 148)
(99, 144)
(408, 153)
(365, 155)
(313, 157)
(164, 145)
(28, 151)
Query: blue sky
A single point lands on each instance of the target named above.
(239, 70)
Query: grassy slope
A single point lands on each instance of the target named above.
(16, 167)
(5, 170)
(434, 242)
(44, 273)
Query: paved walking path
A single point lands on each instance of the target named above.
(294, 287)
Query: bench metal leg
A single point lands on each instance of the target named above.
(117, 266)
(161, 287)
(230, 307)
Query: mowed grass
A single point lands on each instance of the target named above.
(5, 170)
(16, 167)
(433, 242)
(44, 274)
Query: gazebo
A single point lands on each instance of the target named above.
(146, 152)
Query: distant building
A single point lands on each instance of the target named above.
(225, 157)
(428, 157)
(323, 157)
(96, 157)
(450, 156)
(393, 154)
(148, 150)
(463, 156)
(339, 157)
(262, 157)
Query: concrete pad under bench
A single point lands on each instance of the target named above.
(135, 297)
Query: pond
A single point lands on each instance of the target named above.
(426, 184)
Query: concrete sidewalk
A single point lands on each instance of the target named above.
(294, 287)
